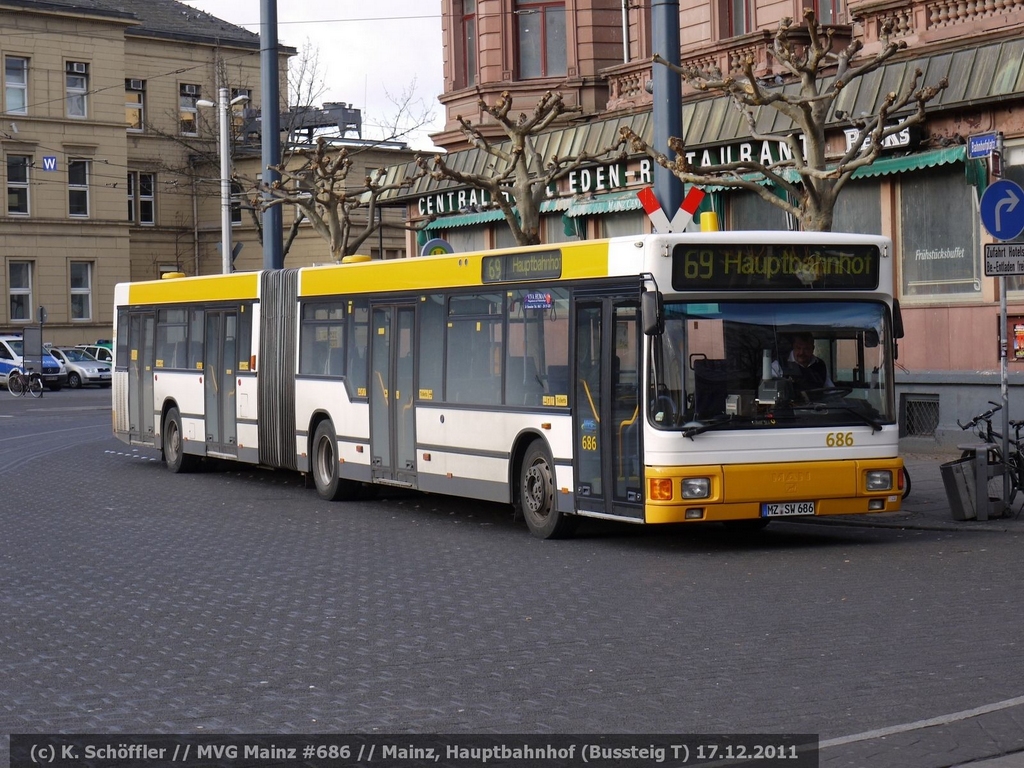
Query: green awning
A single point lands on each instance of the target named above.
(464, 220)
(612, 202)
(913, 162)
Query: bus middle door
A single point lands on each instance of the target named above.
(392, 414)
(606, 417)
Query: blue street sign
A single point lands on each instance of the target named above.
(982, 145)
(49, 163)
(1002, 209)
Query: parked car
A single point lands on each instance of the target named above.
(82, 367)
(101, 350)
(55, 375)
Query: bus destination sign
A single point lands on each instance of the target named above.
(780, 267)
(513, 267)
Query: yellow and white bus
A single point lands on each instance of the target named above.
(648, 379)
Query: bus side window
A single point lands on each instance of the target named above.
(335, 361)
(558, 379)
(522, 385)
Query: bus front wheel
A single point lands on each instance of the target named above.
(329, 485)
(174, 446)
(537, 496)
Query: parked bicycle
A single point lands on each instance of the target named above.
(1013, 464)
(19, 382)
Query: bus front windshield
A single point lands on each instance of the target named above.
(772, 365)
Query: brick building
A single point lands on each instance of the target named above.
(922, 193)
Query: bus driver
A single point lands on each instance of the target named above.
(807, 371)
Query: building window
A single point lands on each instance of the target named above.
(238, 113)
(77, 80)
(187, 110)
(134, 104)
(17, 184)
(739, 17)
(20, 282)
(81, 290)
(748, 210)
(542, 40)
(15, 85)
(829, 11)
(78, 188)
(939, 243)
(466, 76)
(142, 198)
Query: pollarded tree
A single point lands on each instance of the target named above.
(316, 181)
(810, 177)
(518, 178)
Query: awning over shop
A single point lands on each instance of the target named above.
(916, 161)
(464, 220)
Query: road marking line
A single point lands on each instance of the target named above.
(933, 721)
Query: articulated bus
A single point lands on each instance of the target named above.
(648, 379)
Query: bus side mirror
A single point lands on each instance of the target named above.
(651, 313)
(897, 320)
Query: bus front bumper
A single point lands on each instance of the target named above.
(775, 491)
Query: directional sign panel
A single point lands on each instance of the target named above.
(1004, 259)
(1002, 209)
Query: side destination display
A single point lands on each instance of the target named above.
(533, 265)
(786, 267)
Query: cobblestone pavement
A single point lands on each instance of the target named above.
(235, 601)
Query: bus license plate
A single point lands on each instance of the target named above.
(787, 509)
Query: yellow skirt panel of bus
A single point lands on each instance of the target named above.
(772, 491)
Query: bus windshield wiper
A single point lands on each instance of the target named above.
(876, 426)
(692, 428)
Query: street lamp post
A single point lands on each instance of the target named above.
(224, 104)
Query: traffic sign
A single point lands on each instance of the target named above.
(682, 217)
(1002, 209)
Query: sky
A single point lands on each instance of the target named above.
(370, 53)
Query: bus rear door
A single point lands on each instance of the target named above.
(219, 383)
(141, 357)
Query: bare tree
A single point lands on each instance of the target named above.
(811, 178)
(520, 177)
(318, 185)
(317, 174)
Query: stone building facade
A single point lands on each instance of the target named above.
(112, 163)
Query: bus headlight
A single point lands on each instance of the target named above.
(696, 487)
(879, 480)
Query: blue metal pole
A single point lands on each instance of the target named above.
(270, 130)
(668, 100)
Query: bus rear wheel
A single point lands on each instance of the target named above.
(174, 445)
(537, 496)
(330, 486)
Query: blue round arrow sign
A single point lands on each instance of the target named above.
(1002, 209)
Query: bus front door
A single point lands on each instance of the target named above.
(606, 417)
(220, 358)
(392, 418)
(141, 352)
